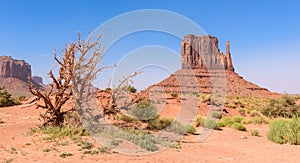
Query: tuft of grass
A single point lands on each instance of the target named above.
(220, 124)
(210, 123)
(216, 115)
(127, 118)
(190, 129)
(205, 98)
(86, 145)
(254, 133)
(144, 111)
(65, 154)
(239, 126)
(177, 128)
(62, 132)
(199, 121)
(238, 119)
(159, 123)
(227, 121)
(260, 120)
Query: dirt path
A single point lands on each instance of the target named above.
(228, 145)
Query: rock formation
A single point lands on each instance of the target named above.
(11, 68)
(13, 76)
(202, 52)
(37, 79)
(203, 64)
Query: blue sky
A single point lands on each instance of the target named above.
(264, 35)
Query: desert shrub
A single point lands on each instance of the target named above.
(216, 115)
(278, 131)
(65, 154)
(174, 94)
(285, 107)
(126, 118)
(190, 129)
(144, 110)
(206, 98)
(199, 121)
(238, 119)
(227, 121)
(130, 89)
(220, 124)
(294, 131)
(259, 120)
(248, 111)
(246, 121)
(159, 123)
(210, 123)
(5, 98)
(254, 113)
(177, 128)
(22, 98)
(239, 126)
(242, 111)
(107, 89)
(61, 132)
(254, 133)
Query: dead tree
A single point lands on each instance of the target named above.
(71, 68)
(60, 89)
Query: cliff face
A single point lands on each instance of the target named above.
(202, 52)
(11, 68)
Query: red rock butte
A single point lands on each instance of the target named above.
(205, 69)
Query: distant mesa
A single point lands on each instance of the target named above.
(12, 68)
(203, 61)
(37, 79)
(13, 76)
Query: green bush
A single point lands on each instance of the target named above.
(199, 121)
(254, 133)
(227, 121)
(216, 115)
(294, 131)
(242, 111)
(177, 128)
(210, 123)
(285, 131)
(206, 98)
(144, 111)
(238, 119)
(285, 107)
(159, 123)
(220, 124)
(126, 118)
(5, 98)
(259, 120)
(130, 89)
(190, 129)
(61, 132)
(278, 131)
(239, 126)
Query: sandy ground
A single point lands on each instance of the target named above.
(228, 145)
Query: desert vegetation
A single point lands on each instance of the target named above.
(6, 98)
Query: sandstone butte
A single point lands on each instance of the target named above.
(205, 69)
(13, 76)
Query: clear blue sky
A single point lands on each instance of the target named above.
(264, 34)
